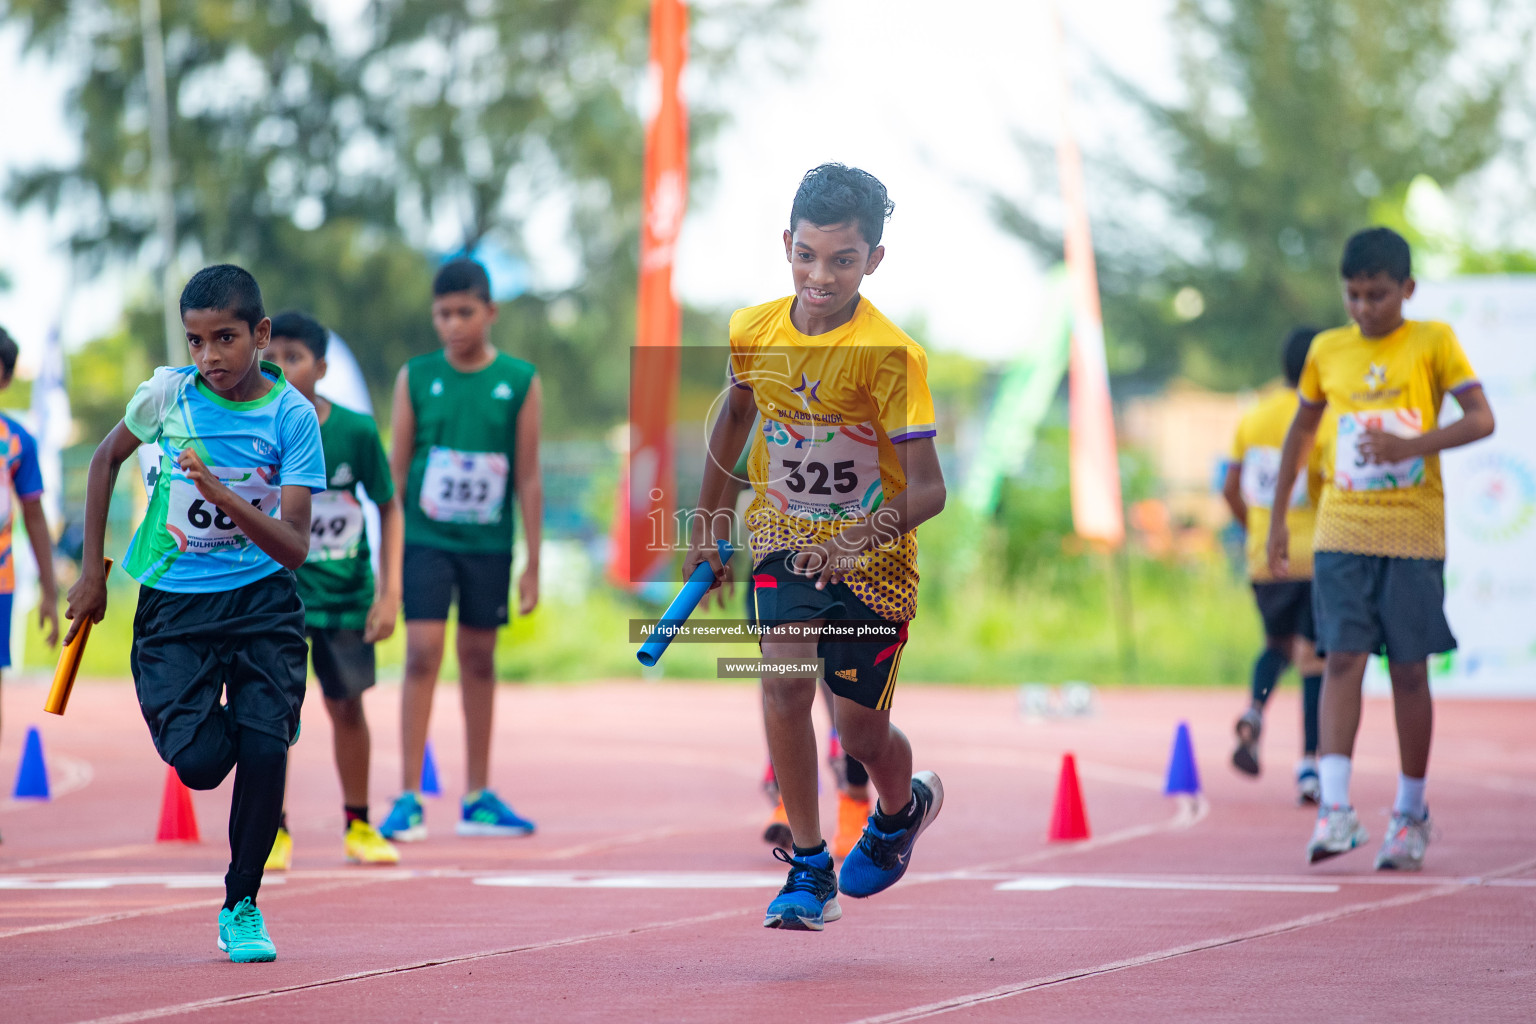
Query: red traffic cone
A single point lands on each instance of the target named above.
(178, 823)
(1068, 819)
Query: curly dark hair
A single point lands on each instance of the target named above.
(839, 194)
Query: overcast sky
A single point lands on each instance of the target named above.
(927, 97)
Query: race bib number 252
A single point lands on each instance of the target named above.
(464, 487)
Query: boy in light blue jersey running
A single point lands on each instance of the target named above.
(219, 615)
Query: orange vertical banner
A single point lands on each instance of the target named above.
(648, 501)
(1096, 507)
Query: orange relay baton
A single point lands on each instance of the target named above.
(69, 665)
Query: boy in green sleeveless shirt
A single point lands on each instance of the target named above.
(466, 440)
(344, 614)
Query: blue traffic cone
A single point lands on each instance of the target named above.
(32, 776)
(1183, 776)
(429, 783)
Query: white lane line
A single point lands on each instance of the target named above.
(635, 880)
(963, 1002)
(208, 902)
(618, 879)
(1052, 883)
(56, 882)
(249, 997)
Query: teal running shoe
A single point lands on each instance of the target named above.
(243, 934)
(404, 824)
(483, 814)
(808, 901)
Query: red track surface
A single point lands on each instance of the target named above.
(1169, 913)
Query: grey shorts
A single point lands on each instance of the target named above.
(1379, 605)
(343, 663)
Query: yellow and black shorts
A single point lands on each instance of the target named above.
(860, 669)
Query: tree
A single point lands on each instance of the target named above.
(1298, 115)
(331, 173)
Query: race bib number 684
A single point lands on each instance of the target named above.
(200, 525)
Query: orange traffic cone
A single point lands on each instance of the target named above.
(1068, 819)
(178, 823)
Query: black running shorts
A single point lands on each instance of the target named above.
(861, 671)
(244, 647)
(430, 576)
(343, 663)
(1286, 608)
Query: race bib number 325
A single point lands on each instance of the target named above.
(1354, 472)
(200, 525)
(464, 487)
(821, 471)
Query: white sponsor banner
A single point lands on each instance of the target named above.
(1490, 490)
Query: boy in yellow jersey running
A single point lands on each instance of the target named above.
(1284, 605)
(1379, 548)
(844, 468)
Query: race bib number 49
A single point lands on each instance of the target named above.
(464, 487)
(200, 525)
(335, 526)
(1354, 472)
(819, 471)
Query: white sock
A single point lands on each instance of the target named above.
(1333, 774)
(1410, 798)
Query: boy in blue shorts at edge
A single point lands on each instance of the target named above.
(1378, 578)
(845, 469)
(18, 456)
(219, 613)
(343, 612)
(465, 443)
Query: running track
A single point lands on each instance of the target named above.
(640, 898)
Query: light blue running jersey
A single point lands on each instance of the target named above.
(185, 544)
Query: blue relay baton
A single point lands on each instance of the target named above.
(682, 606)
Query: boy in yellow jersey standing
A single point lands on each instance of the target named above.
(1379, 548)
(844, 468)
(1284, 605)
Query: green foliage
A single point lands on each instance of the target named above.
(102, 376)
(331, 172)
(1296, 115)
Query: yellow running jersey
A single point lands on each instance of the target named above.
(1256, 449)
(1396, 384)
(833, 407)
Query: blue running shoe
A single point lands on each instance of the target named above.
(243, 934)
(485, 815)
(880, 858)
(404, 824)
(809, 897)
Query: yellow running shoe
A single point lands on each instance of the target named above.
(281, 857)
(851, 817)
(366, 846)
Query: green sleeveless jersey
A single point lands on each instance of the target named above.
(458, 496)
